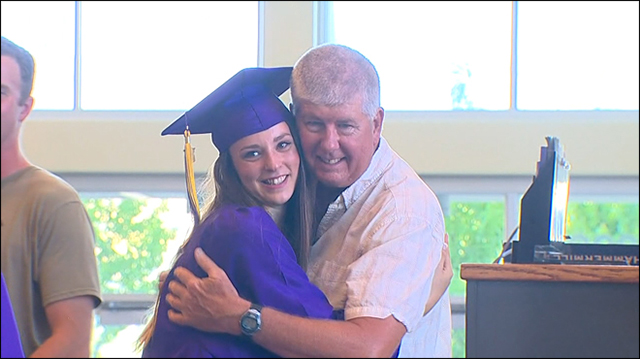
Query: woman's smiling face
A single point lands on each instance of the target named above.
(267, 163)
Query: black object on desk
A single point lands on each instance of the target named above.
(543, 217)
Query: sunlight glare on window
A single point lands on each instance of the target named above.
(578, 55)
(47, 31)
(433, 55)
(163, 55)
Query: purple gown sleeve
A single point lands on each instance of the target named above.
(11, 344)
(249, 247)
(261, 263)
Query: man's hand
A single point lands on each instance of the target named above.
(442, 276)
(445, 270)
(162, 278)
(210, 304)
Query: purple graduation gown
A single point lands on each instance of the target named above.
(249, 247)
(11, 344)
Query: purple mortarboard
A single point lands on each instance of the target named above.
(245, 104)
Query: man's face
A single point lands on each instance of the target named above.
(13, 112)
(338, 142)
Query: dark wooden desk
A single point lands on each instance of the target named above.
(549, 310)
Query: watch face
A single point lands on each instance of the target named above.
(250, 322)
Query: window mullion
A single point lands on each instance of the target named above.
(514, 58)
(78, 63)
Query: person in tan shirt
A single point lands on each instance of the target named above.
(48, 258)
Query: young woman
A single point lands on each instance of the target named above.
(259, 186)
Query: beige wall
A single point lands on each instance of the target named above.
(457, 143)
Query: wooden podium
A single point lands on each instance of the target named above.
(551, 310)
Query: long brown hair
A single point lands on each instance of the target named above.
(223, 186)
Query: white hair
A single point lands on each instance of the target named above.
(333, 75)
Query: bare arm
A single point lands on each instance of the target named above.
(363, 337)
(212, 304)
(71, 323)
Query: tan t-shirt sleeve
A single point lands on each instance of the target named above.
(66, 259)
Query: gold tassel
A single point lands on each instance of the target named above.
(189, 159)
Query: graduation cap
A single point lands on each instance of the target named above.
(245, 104)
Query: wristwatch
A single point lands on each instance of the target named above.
(251, 320)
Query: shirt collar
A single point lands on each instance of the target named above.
(380, 161)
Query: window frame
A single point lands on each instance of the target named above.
(124, 309)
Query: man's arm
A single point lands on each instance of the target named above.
(212, 304)
(71, 323)
(363, 337)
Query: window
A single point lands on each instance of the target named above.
(132, 55)
(115, 341)
(434, 56)
(476, 230)
(137, 236)
(577, 55)
(603, 220)
(53, 49)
